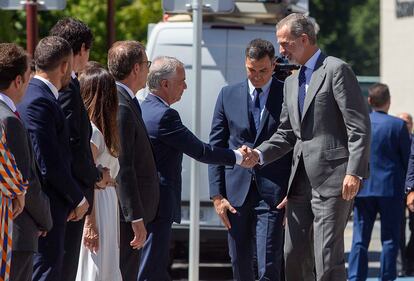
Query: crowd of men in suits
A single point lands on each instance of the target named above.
(295, 150)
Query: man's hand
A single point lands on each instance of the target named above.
(222, 206)
(350, 187)
(140, 234)
(282, 205)
(250, 157)
(42, 233)
(18, 205)
(79, 212)
(106, 178)
(410, 201)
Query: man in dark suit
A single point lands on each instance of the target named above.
(44, 119)
(170, 139)
(383, 191)
(405, 260)
(80, 38)
(138, 189)
(325, 121)
(35, 218)
(248, 113)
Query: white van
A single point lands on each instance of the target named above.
(223, 47)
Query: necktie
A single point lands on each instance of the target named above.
(302, 89)
(256, 108)
(17, 114)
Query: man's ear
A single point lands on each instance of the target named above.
(369, 100)
(64, 67)
(137, 68)
(164, 83)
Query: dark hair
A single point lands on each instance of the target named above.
(99, 94)
(257, 49)
(379, 95)
(122, 57)
(13, 62)
(50, 52)
(75, 32)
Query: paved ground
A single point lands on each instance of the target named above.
(222, 271)
(374, 251)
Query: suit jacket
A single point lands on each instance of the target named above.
(80, 132)
(44, 119)
(138, 190)
(232, 127)
(390, 148)
(333, 135)
(170, 139)
(409, 181)
(36, 214)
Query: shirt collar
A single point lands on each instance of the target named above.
(163, 101)
(126, 88)
(52, 87)
(265, 88)
(8, 101)
(312, 61)
(73, 75)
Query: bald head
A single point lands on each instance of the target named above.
(408, 120)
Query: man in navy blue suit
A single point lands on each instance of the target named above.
(383, 191)
(43, 117)
(170, 139)
(248, 113)
(80, 38)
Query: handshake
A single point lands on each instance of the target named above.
(250, 157)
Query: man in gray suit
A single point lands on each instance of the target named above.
(325, 121)
(35, 218)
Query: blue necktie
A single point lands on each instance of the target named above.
(256, 108)
(302, 89)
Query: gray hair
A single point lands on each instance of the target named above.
(162, 68)
(299, 24)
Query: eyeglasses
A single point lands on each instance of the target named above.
(148, 62)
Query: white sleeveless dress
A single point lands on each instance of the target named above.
(103, 266)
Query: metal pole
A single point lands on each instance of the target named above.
(110, 22)
(194, 249)
(31, 26)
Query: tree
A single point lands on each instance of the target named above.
(350, 30)
(132, 17)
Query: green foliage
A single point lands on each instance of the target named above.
(350, 30)
(131, 19)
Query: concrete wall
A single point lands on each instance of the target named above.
(397, 52)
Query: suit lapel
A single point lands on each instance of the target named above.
(318, 76)
(244, 108)
(131, 103)
(270, 103)
(294, 83)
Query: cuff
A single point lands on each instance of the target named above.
(261, 162)
(137, 220)
(239, 157)
(82, 202)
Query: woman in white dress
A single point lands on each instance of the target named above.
(99, 254)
